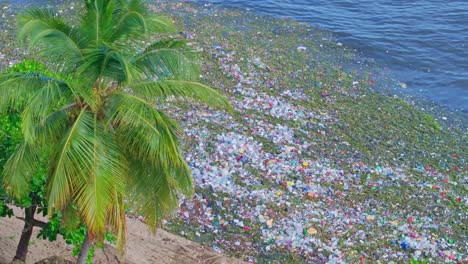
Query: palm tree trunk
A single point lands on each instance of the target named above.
(22, 248)
(87, 244)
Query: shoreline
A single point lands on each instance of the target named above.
(357, 43)
(268, 57)
(315, 166)
(390, 86)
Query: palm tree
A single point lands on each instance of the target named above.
(93, 114)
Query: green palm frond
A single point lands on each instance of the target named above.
(48, 17)
(48, 131)
(133, 20)
(70, 161)
(84, 92)
(106, 62)
(184, 180)
(130, 21)
(42, 124)
(99, 193)
(161, 24)
(154, 191)
(97, 21)
(17, 88)
(178, 44)
(116, 221)
(165, 63)
(144, 131)
(181, 90)
(20, 169)
(70, 217)
(42, 29)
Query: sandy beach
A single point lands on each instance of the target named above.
(142, 247)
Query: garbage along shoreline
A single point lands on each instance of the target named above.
(295, 177)
(315, 166)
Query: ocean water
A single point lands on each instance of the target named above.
(424, 43)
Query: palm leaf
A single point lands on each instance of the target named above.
(97, 21)
(181, 90)
(55, 40)
(143, 131)
(161, 24)
(49, 19)
(84, 94)
(69, 162)
(177, 44)
(165, 63)
(70, 217)
(106, 62)
(100, 192)
(17, 88)
(19, 170)
(154, 189)
(133, 21)
(129, 23)
(117, 221)
(42, 122)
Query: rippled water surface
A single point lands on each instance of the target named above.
(423, 42)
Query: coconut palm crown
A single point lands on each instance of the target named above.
(90, 110)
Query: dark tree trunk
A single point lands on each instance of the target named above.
(82, 257)
(22, 248)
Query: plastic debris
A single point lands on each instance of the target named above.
(279, 179)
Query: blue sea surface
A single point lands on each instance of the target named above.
(424, 43)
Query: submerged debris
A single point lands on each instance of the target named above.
(314, 166)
